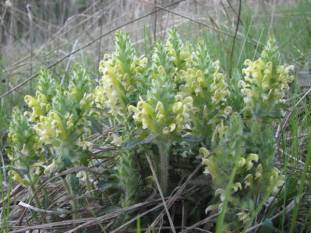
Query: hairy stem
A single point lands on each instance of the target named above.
(164, 165)
(35, 195)
(73, 202)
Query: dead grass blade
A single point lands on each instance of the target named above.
(91, 221)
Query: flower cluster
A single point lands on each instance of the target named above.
(179, 90)
(160, 119)
(40, 104)
(247, 172)
(163, 111)
(68, 111)
(178, 53)
(265, 82)
(58, 123)
(204, 82)
(182, 91)
(252, 172)
(245, 164)
(123, 75)
(24, 152)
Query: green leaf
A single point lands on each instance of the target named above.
(268, 227)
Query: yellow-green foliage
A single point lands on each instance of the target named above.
(123, 76)
(177, 92)
(188, 95)
(250, 152)
(24, 152)
(265, 82)
(57, 123)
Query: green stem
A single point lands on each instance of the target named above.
(33, 190)
(73, 202)
(164, 165)
(221, 217)
(34, 194)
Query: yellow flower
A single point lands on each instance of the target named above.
(241, 162)
(204, 152)
(172, 127)
(262, 88)
(248, 181)
(237, 186)
(221, 194)
(250, 159)
(259, 171)
(243, 216)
